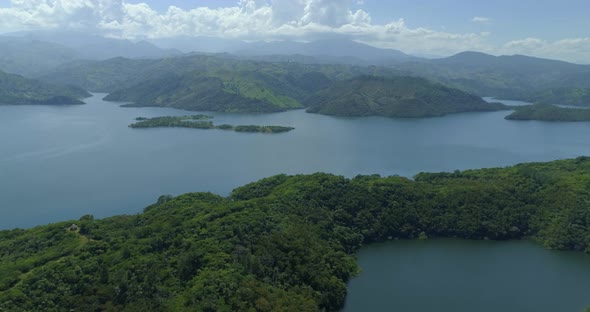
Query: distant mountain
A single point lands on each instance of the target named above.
(341, 51)
(200, 44)
(394, 97)
(339, 48)
(15, 90)
(30, 57)
(119, 73)
(91, 46)
(34, 54)
(511, 77)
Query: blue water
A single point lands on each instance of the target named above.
(60, 163)
(465, 276)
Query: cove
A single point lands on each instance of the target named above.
(450, 275)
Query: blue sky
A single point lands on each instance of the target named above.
(512, 19)
(545, 28)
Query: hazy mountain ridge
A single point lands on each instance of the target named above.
(515, 77)
(32, 57)
(35, 54)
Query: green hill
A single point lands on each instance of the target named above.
(236, 92)
(394, 97)
(15, 89)
(120, 73)
(284, 243)
(547, 112)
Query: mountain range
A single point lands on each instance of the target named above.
(87, 61)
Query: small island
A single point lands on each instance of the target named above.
(547, 112)
(202, 122)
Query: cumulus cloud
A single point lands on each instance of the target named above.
(263, 20)
(481, 19)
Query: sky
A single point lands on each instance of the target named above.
(543, 28)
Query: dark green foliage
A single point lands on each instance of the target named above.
(547, 112)
(285, 243)
(395, 97)
(262, 129)
(193, 121)
(15, 89)
(196, 122)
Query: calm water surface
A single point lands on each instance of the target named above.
(467, 276)
(60, 163)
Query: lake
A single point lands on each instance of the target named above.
(464, 276)
(62, 162)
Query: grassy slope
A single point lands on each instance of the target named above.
(284, 243)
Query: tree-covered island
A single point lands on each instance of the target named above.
(201, 122)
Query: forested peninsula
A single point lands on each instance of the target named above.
(284, 243)
(547, 112)
(18, 90)
(201, 122)
(395, 97)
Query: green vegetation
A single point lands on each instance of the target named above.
(263, 129)
(564, 96)
(395, 97)
(198, 122)
(197, 92)
(546, 112)
(15, 89)
(506, 77)
(192, 121)
(284, 243)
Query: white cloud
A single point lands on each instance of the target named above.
(266, 20)
(571, 49)
(481, 19)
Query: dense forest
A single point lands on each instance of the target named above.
(547, 112)
(15, 89)
(395, 97)
(201, 122)
(284, 243)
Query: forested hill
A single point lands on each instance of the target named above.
(284, 243)
(394, 97)
(228, 92)
(15, 89)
